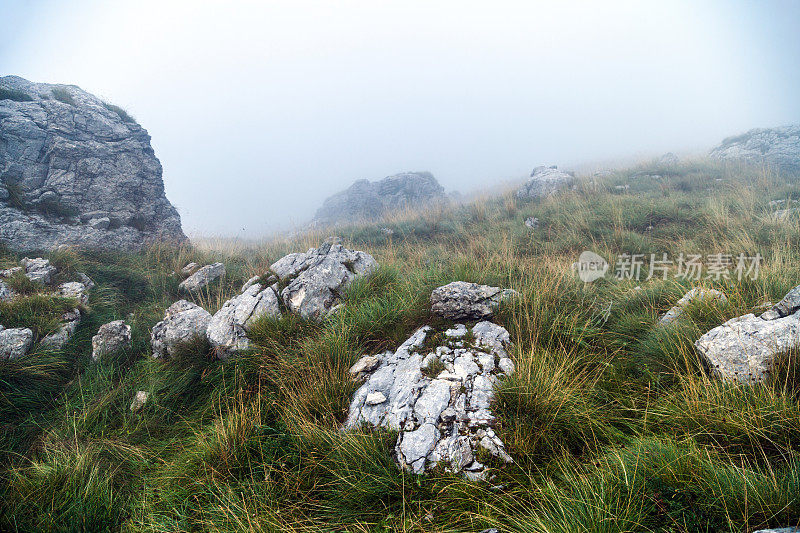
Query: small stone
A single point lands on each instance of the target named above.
(139, 401)
(365, 364)
(462, 300)
(191, 268)
(73, 289)
(697, 294)
(457, 331)
(532, 222)
(202, 278)
(374, 398)
(6, 293)
(39, 270)
(506, 365)
(183, 322)
(110, 338)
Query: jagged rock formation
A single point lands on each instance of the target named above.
(774, 146)
(437, 397)
(544, 181)
(369, 201)
(77, 171)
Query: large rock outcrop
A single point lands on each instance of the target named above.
(779, 147)
(369, 201)
(77, 171)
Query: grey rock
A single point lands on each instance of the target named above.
(696, 294)
(190, 268)
(789, 305)
(532, 222)
(9, 272)
(369, 201)
(69, 161)
(110, 338)
(462, 300)
(743, 348)
(202, 278)
(15, 342)
(368, 363)
(69, 324)
(139, 401)
(443, 419)
(783, 215)
(779, 147)
(227, 330)
(100, 223)
(318, 278)
(669, 159)
(6, 293)
(39, 270)
(780, 530)
(74, 289)
(86, 280)
(544, 181)
(183, 322)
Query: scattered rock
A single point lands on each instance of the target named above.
(743, 348)
(369, 201)
(69, 324)
(86, 174)
(190, 268)
(318, 278)
(74, 289)
(788, 306)
(545, 181)
(461, 300)
(697, 294)
(774, 146)
(202, 278)
(15, 342)
(5, 292)
(139, 401)
(110, 338)
(532, 222)
(183, 322)
(227, 330)
(39, 270)
(440, 418)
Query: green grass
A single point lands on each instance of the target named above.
(611, 418)
(15, 95)
(123, 115)
(63, 96)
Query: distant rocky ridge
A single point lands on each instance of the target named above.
(774, 146)
(75, 170)
(369, 201)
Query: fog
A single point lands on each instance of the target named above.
(258, 111)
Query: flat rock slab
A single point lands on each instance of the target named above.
(437, 397)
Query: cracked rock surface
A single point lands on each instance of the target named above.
(316, 279)
(183, 322)
(437, 396)
(227, 330)
(461, 300)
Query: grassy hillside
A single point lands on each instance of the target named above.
(612, 421)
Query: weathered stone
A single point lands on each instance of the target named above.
(773, 146)
(86, 174)
(227, 330)
(780, 530)
(368, 363)
(190, 268)
(110, 338)
(5, 292)
(39, 270)
(73, 289)
(532, 222)
(69, 324)
(9, 272)
(439, 419)
(696, 294)
(15, 342)
(319, 277)
(183, 322)
(744, 348)
(545, 181)
(139, 401)
(789, 305)
(369, 201)
(462, 300)
(202, 278)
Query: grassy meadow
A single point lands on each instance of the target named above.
(612, 420)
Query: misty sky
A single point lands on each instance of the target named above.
(260, 110)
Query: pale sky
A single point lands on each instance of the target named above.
(260, 110)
